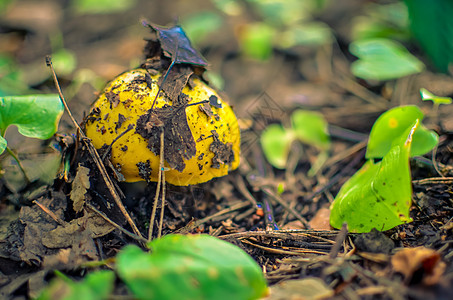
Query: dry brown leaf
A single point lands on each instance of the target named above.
(80, 185)
(37, 225)
(301, 289)
(420, 260)
(293, 225)
(91, 225)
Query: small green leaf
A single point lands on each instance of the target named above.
(102, 6)
(201, 25)
(97, 285)
(383, 59)
(311, 128)
(381, 21)
(391, 124)
(276, 143)
(256, 40)
(191, 267)
(307, 34)
(64, 61)
(379, 194)
(35, 116)
(3, 144)
(427, 95)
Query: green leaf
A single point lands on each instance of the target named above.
(432, 26)
(102, 6)
(64, 61)
(383, 59)
(201, 25)
(276, 143)
(256, 40)
(3, 144)
(11, 81)
(307, 34)
(97, 285)
(391, 124)
(190, 267)
(382, 21)
(311, 128)
(427, 95)
(379, 194)
(35, 116)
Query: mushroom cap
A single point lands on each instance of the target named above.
(214, 129)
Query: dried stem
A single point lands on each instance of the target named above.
(159, 178)
(21, 167)
(94, 154)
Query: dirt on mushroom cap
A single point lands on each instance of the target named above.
(128, 99)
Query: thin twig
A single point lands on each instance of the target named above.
(339, 240)
(94, 154)
(50, 213)
(434, 161)
(173, 61)
(283, 203)
(126, 232)
(435, 180)
(129, 128)
(161, 167)
(240, 185)
(282, 251)
(161, 222)
(292, 234)
(344, 154)
(197, 223)
(156, 196)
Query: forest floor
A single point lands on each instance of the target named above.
(344, 265)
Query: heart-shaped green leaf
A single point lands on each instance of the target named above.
(191, 267)
(276, 142)
(35, 116)
(379, 194)
(383, 59)
(391, 124)
(311, 128)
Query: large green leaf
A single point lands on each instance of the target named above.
(431, 23)
(383, 59)
(379, 194)
(35, 116)
(191, 267)
(391, 124)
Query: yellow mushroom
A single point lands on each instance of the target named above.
(210, 149)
